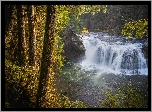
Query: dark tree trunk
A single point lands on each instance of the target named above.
(10, 28)
(9, 17)
(46, 54)
(21, 34)
(32, 36)
(8, 14)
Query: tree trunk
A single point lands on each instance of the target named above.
(8, 14)
(32, 36)
(46, 55)
(10, 28)
(9, 18)
(21, 34)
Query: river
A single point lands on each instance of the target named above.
(109, 62)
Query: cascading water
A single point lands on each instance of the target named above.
(110, 56)
(109, 63)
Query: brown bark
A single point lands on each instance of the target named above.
(8, 14)
(32, 36)
(21, 34)
(9, 18)
(10, 24)
(46, 54)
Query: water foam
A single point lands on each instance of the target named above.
(113, 57)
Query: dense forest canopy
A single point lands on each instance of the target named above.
(34, 46)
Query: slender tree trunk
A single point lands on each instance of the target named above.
(8, 14)
(46, 55)
(21, 34)
(32, 36)
(9, 18)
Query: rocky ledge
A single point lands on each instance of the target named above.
(73, 45)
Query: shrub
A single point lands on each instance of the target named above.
(123, 98)
(21, 89)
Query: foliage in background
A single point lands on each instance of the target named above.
(136, 28)
(62, 20)
(123, 98)
(77, 10)
(62, 17)
(114, 19)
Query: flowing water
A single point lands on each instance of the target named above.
(112, 56)
(109, 62)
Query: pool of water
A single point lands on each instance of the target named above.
(90, 87)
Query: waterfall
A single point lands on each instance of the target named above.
(111, 55)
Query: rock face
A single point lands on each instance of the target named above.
(145, 49)
(73, 46)
(144, 41)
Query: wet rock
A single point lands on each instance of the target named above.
(145, 49)
(73, 46)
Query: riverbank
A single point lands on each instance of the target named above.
(92, 89)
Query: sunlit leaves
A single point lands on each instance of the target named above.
(65, 102)
(75, 11)
(81, 9)
(91, 9)
(123, 98)
(85, 31)
(22, 77)
(136, 29)
(57, 59)
(62, 17)
(27, 77)
(96, 8)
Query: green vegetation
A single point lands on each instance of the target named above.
(125, 97)
(115, 18)
(136, 29)
(21, 88)
(33, 51)
(34, 54)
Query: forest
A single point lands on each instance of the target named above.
(76, 56)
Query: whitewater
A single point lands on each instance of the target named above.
(110, 54)
(110, 62)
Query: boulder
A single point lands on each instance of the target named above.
(73, 45)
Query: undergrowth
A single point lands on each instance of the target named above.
(21, 84)
(124, 98)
